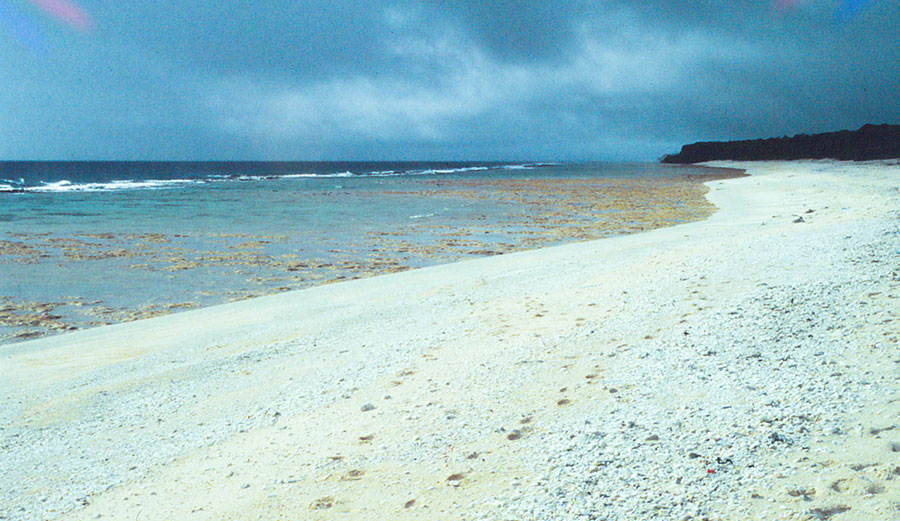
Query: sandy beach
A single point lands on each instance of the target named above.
(741, 367)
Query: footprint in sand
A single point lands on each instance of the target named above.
(874, 489)
(807, 495)
(322, 503)
(353, 475)
(828, 513)
(514, 435)
(401, 375)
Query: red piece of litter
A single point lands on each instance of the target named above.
(711, 471)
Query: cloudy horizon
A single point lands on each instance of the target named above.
(455, 80)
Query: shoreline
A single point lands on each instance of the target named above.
(162, 266)
(542, 364)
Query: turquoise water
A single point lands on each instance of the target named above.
(82, 246)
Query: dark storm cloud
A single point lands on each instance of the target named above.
(458, 78)
(819, 71)
(319, 37)
(525, 30)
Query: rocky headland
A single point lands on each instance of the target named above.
(868, 143)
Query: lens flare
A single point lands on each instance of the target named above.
(67, 12)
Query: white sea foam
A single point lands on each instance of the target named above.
(429, 171)
(123, 184)
(305, 176)
(455, 170)
(389, 173)
(66, 186)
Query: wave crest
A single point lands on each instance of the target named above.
(67, 186)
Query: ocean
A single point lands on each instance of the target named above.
(84, 244)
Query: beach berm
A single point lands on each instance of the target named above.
(742, 367)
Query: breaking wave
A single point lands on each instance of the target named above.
(68, 186)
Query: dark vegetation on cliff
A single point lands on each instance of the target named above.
(869, 142)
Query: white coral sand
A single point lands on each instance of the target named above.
(744, 367)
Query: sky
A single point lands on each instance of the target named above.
(426, 80)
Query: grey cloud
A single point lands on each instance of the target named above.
(459, 78)
(525, 30)
(313, 37)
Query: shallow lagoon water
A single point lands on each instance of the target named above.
(74, 257)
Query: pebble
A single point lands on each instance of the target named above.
(771, 321)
